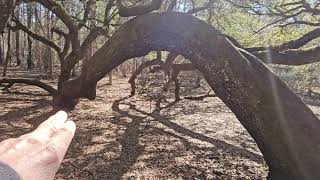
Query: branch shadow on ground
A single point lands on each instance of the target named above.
(182, 130)
(131, 148)
(117, 155)
(9, 119)
(24, 93)
(98, 165)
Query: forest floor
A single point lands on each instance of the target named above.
(128, 138)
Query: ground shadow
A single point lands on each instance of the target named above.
(120, 150)
(9, 119)
(180, 129)
(131, 149)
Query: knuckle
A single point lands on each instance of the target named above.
(52, 130)
(51, 155)
(66, 130)
(16, 144)
(33, 141)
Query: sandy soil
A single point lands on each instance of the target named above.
(128, 138)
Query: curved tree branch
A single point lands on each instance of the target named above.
(172, 5)
(139, 70)
(176, 68)
(165, 66)
(293, 44)
(289, 57)
(107, 13)
(284, 128)
(287, 53)
(198, 9)
(52, 91)
(42, 39)
(57, 9)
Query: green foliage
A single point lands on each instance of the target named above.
(252, 30)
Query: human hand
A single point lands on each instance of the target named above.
(38, 155)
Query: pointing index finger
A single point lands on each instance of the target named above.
(50, 126)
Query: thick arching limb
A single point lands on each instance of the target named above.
(52, 91)
(284, 128)
(287, 53)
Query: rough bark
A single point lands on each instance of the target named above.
(284, 128)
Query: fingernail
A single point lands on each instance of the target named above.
(59, 119)
(71, 126)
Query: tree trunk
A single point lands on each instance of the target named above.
(8, 57)
(1, 52)
(6, 6)
(38, 47)
(29, 18)
(284, 128)
(18, 39)
(49, 53)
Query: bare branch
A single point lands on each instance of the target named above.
(198, 9)
(172, 5)
(52, 91)
(107, 13)
(57, 9)
(20, 26)
(289, 57)
(88, 10)
(138, 10)
(139, 70)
